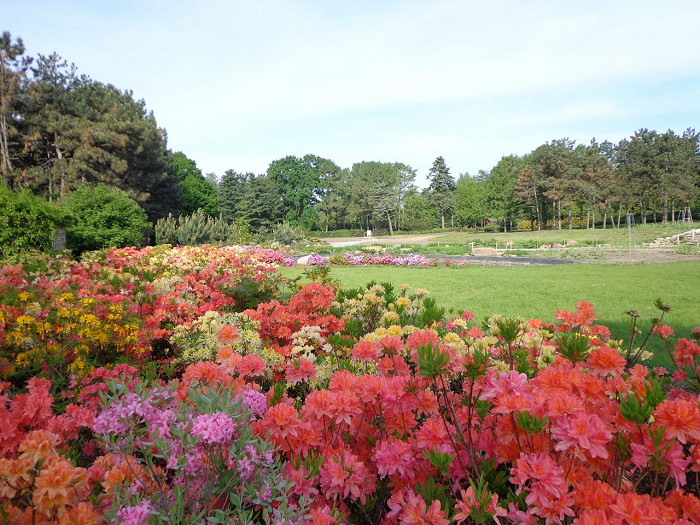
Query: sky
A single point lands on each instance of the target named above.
(238, 84)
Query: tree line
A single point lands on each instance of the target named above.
(650, 176)
(60, 131)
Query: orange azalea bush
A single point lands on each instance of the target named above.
(380, 408)
(118, 304)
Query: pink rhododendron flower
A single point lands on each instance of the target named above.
(251, 365)
(582, 431)
(394, 457)
(255, 401)
(664, 331)
(214, 428)
(300, 370)
(469, 502)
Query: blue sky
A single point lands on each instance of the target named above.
(238, 84)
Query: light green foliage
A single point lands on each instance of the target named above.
(28, 222)
(198, 193)
(200, 228)
(300, 182)
(286, 234)
(469, 205)
(104, 217)
(499, 188)
(417, 212)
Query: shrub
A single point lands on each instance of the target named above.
(187, 462)
(105, 217)
(286, 234)
(28, 222)
(199, 228)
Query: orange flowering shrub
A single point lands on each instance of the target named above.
(380, 408)
(116, 304)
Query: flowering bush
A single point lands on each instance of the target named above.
(336, 406)
(185, 461)
(381, 259)
(117, 304)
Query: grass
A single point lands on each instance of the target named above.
(539, 291)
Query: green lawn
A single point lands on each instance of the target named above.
(538, 291)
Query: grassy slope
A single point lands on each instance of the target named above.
(541, 290)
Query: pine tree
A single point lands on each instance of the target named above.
(13, 67)
(442, 189)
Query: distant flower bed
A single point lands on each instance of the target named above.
(375, 259)
(139, 388)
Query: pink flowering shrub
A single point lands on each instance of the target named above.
(189, 460)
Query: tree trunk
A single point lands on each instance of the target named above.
(664, 212)
(605, 212)
(571, 219)
(391, 229)
(673, 211)
(559, 212)
(593, 217)
(6, 165)
(619, 214)
(643, 208)
(442, 219)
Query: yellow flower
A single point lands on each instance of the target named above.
(395, 330)
(24, 320)
(403, 302)
(389, 317)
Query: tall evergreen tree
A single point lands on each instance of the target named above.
(13, 67)
(442, 189)
(232, 191)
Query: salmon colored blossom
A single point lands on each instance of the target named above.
(605, 360)
(680, 419)
(300, 370)
(344, 476)
(228, 334)
(250, 366)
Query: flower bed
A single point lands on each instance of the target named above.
(368, 407)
